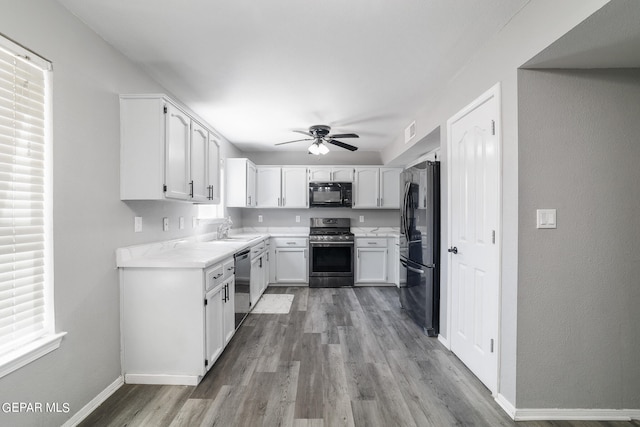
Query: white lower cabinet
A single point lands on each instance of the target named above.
(175, 322)
(259, 271)
(372, 261)
(214, 324)
(290, 264)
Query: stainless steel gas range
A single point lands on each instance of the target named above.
(331, 247)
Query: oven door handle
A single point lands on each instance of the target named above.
(327, 244)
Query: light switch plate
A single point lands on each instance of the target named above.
(137, 224)
(297, 218)
(361, 218)
(546, 218)
(259, 218)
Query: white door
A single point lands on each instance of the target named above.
(178, 128)
(213, 169)
(474, 198)
(367, 192)
(268, 187)
(199, 142)
(390, 188)
(371, 265)
(295, 188)
(291, 265)
(214, 327)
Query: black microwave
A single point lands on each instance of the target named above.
(330, 194)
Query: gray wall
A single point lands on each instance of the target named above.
(579, 285)
(90, 221)
(286, 217)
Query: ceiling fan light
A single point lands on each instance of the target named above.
(322, 149)
(314, 149)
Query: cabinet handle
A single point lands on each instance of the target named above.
(191, 190)
(291, 243)
(249, 200)
(283, 202)
(371, 243)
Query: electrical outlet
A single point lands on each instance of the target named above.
(165, 224)
(297, 218)
(259, 218)
(137, 224)
(181, 223)
(361, 218)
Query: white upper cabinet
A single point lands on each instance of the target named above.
(331, 173)
(390, 188)
(377, 188)
(240, 183)
(367, 191)
(164, 152)
(268, 187)
(295, 191)
(284, 187)
(213, 169)
(199, 178)
(177, 149)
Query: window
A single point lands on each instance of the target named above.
(26, 284)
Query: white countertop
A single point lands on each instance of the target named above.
(184, 253)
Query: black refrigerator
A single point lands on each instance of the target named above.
(420, 245)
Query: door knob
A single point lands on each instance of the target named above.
(453, 250)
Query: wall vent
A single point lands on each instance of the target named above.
(410, 132)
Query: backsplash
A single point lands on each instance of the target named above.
(287, 217)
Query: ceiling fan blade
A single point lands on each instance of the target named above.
(296, 140)
(344, 135)
(304, 132)
(342, 144)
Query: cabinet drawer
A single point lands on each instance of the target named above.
(290, 242)
(371, 242)
(214, 276)
(256, 250)
(228, 268)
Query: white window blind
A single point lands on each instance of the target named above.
(25, 311)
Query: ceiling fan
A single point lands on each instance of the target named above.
(319, 134)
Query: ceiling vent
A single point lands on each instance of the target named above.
(410, 132)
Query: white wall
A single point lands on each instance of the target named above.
(534, 28)
(90, 221)
(578, 285)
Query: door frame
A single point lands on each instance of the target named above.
(493, 92)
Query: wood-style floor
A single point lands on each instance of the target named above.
(341, 357)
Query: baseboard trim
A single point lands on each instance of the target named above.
(87, 409)
(548, 414)
(506, 405)
(444, 341)
(162, 379)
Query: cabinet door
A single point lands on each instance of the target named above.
(291, 265)
(371, 265)
(178, 129)
(390, 188)
(229, 310)
(255, 283)
(295, 191)
(213, 169)
(268, 187)
(342, 174)
(214, 326)
(251, 184)
(367, 188)
(320, 174)
(198, 154)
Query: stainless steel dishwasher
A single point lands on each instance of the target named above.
(242, 296)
